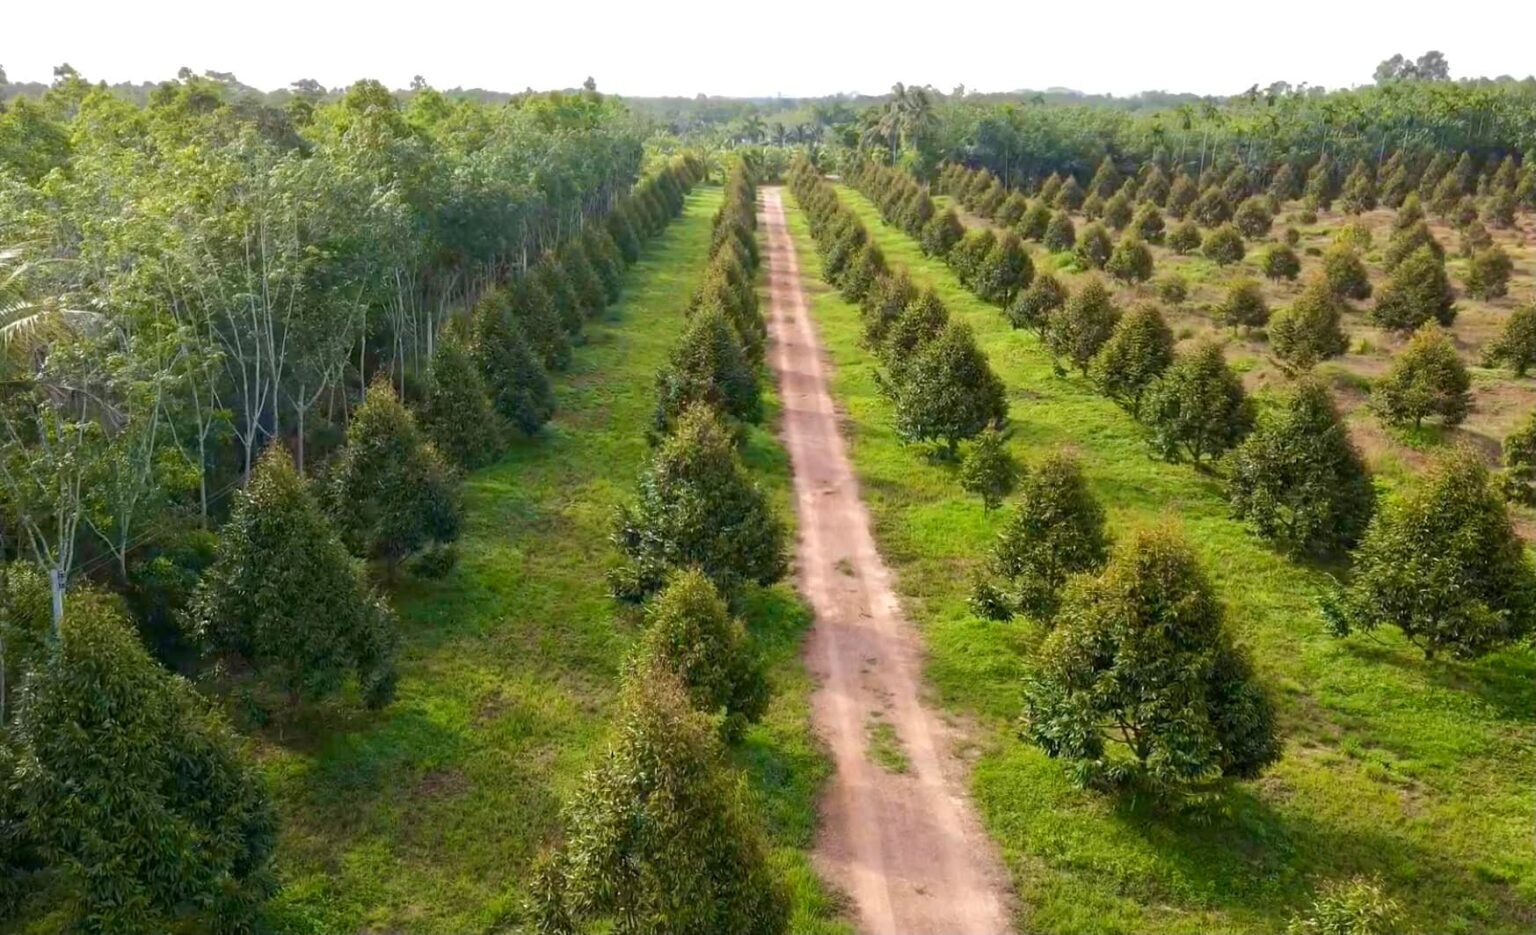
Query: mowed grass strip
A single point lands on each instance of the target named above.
(1418, 772)
(426, 817)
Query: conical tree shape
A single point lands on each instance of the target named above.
(534, 311)
(1298, 479)
(1132, 261)
(948, 391)
(1056, 531)
(622, 228)
(584, 279)
(284, 594)
(391, 493)
(988, 470)
(132, 789)
(709, 368)
(550, 276)
(1515, 347)
(1144, 645)
(884, 304)
(456, 412)
(1197, 409)
(1428, 378)
(1444, 565)
(1004, 272)
(698, 508)
(691, 634)
(1034, 305)
(605, 260)
(1418, 291)
(519, 387)
(1137, 352)
(659, 834)
(1060, 234)
(940, 234)
(1083, 324)
(921, 321)
(1345, 273)
(1309, 331)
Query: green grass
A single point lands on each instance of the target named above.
(1421, 772)
(884, 746)
(425, 817)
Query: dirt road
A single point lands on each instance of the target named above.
(898, 833)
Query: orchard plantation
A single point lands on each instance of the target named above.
(400, 528)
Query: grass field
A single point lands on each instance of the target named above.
(425, 817)
(1420, 773)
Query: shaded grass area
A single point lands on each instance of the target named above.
(1419, 772)
(426, 817)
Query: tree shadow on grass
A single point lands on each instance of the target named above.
(1505, 680)
(1246, 857)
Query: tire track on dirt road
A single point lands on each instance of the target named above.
(905, 845)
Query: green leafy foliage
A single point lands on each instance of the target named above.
(1093, 247)
(1488, 273)
(1184, 238)
(707, 367)
(1079, 328)
(1428, 378)
(1345, 272)
(1060, 234)
(1137, 352)
(390, 493)
(1417, 292)
(948, 392)
(1298, 480)
(988, 470)
(659, 836)
(1351, 907)
(1140, 682)
(1309, 331)
(884, 303)
(1515, 347)
(1279, 262)
(1004, 271)
(1244, 305)
(284, 595)
(697, 508)
(1131, 261)
(1197, 409)
(1056, 531)
(1223, 246)
(1253, 218)
(520, 389)
(456, 411)
(1443, 564)
(1035, 305)
(132, 790)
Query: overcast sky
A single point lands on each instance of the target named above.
(793, 48)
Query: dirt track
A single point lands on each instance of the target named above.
(906, 846)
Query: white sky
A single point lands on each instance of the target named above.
(794, 47)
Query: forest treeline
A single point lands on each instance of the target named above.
(248, 355)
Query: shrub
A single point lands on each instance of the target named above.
(940, 234)
(1093, 207)
(520, 389)
(1036, 221)
(1292, 236)
(284, 595)
(1148, 223)
(1081, 326)
(1359, 192)
(1034, 305)
(659, 833)
(1354, 907)
(391, 493)
(457, 411)
(1500, 209)
(1154, 188)
(1171, 288)
(920, 322)
(1443, 564)
(1132, 261)
(1244, 306)
(1515, 347)
(988, 470)
(130, 789)
(1184, 238)
(860, 275)
(1211, 209)
(1520, 462)
(1070, 196)
(1056, 531)
(1004, 272)
(707, 367)
(1279, 262)
(1093, 247)
(1345, 273)
(1106, 180)
(697, 508)
(1050, 188)
(1309, 331)
(1475, 239)
(1117, 211)
(534, 311)
(1298, 481)
(948, 391)
(1253, 218)
(1427, 379)
(1060, 234)
(690, 634)
(1197, 408)
(969, 254)
(1182, 194)
(884, 303)
(1144, 645)
(1488, 274)
(1406, 243)
(1012, 209)
(1137, 353)
(1417, 291)
(1223, 246)
(1409, 213)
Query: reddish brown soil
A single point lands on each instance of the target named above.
(906, 846)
